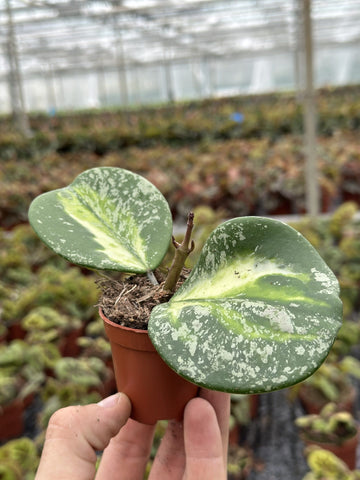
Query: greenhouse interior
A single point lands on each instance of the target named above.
(223, 119)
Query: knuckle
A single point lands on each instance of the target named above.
(62, 420)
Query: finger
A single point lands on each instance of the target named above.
(221, 404)
(75, 433)
(170, 457)
(169, 461)
(203, 442)
(127, 455)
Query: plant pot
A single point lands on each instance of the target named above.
(155, 390)
(313, 402)
(12, 420)
(346, 451)
(68, 345)
(16, 332)
(254, 405)
(234, 434)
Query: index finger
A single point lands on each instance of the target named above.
(128, 452)
(204, 446)
(220, 402)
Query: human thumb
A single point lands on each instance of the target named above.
(74, 434)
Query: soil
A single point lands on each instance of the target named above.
(129, 302)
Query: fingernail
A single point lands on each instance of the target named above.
(111, 401)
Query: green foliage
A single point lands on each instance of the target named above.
(18, 386)
(20, 371)
(240, 409)
(329, 426)
(22, 456)
(95, 347)
(342, 218)
(8, 389)
(241, 290)
(332, 381)
(250, 169)
(348, 336)
(13, 355)
(22, 253)
(9, 471)
(44, 325)
(68, 292)
(57, 394)
(327, 466)
(240, 462)
(86, 371)
(195, 156)
(112, 219)
(337, 241)
(93, 343)
(43, 356)
(95, 328)
(237, 309)
(43, 318)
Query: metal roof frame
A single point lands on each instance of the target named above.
(74, 34)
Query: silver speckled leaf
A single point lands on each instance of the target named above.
(259, 312)
(108, 218)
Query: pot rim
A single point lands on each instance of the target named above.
(133, 338)
(342, 441)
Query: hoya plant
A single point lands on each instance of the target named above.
(260, 309)
(325, 465)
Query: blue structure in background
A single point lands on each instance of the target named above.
(237, 117)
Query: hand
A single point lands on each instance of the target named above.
(194, 449)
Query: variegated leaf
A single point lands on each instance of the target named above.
(108, 218)
(259, 311)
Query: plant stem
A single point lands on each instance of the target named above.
(152, 278)
(182, 250)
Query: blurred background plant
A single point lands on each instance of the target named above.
(203, 159)
(325, 465)
(19, 459)
(329, 426)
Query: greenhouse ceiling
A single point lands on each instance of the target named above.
(73, 35)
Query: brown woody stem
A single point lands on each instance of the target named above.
(182, 250)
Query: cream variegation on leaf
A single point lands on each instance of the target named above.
(259, 311)
(108, 218)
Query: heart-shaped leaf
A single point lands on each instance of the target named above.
(108, 218)
(259, 311)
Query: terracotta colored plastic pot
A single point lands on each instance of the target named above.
(155, 390)
(313, 403)
(12, 420)
(68, 344)
(15, 331)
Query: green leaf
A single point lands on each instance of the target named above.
(259, 311)
(108, 218)
(326, 464)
